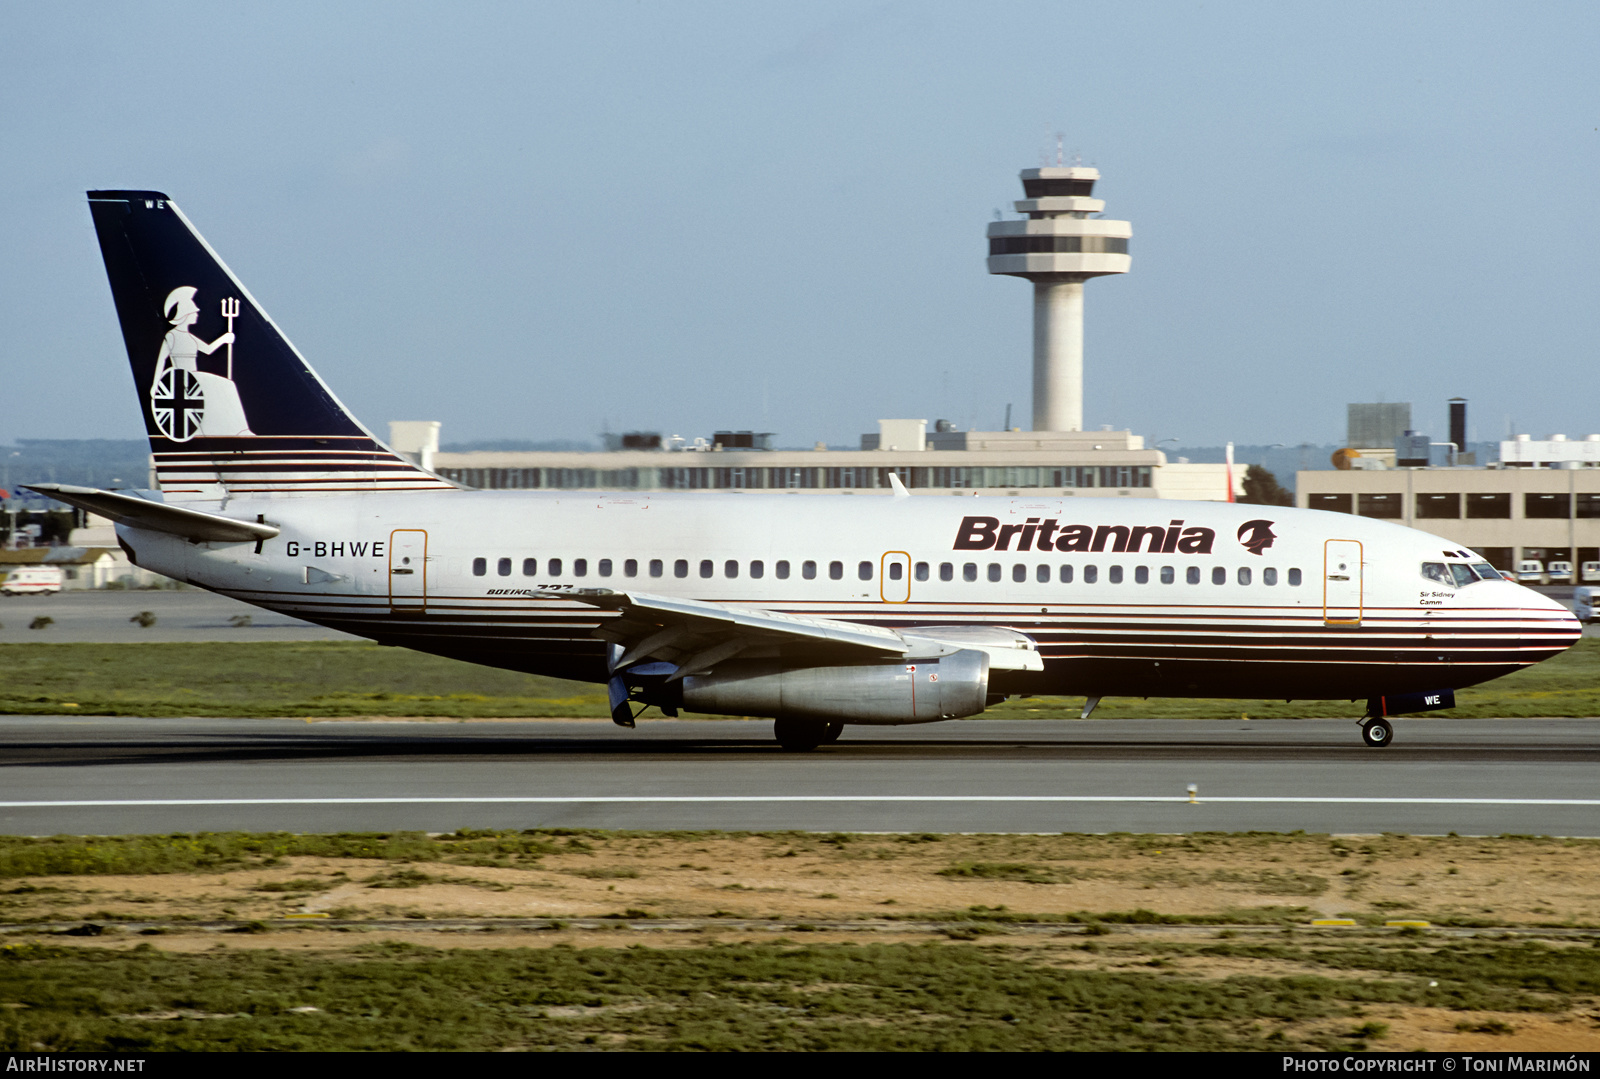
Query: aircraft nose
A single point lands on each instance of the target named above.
(1546, 621)
(1539, 601)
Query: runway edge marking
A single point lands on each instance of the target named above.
(637, 799)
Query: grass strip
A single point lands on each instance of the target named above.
(401, 996)
(341, 678)
(22, 856)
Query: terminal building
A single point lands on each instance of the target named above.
(1103, 463)
(1056, 243)
(1539, 502)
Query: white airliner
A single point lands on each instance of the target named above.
(815, 610)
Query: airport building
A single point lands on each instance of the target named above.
(1056, 244)
(942, 462)
(1540, 502)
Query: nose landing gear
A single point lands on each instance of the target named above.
(1377, 731)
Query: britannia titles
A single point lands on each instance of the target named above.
(988, 534)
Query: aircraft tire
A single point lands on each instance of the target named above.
(1377, 732)
(832, 731)
(799, 735)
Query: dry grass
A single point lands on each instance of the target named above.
(799, 906)
(1447, 881)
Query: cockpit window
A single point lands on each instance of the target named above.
(1487, 572)
(1463, 574)
(1437, 571)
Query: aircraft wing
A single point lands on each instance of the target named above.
(157, 516)
(696, 634)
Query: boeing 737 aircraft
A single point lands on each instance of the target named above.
(814, 610)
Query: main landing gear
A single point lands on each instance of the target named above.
(802, 735)
(1377, 731)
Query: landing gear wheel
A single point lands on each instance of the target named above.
(1377, 732)
(832, 731)
(800, 735)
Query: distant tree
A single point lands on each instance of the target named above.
(1261, 488)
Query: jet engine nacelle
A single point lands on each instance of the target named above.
(908, 691)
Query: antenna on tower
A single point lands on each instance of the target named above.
(1059, 137)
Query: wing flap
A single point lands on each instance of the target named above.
(678, 629)
(157, 516)
(694, 634)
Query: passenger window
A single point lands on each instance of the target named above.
(555, 567)
(706, 568)
(1091, 574)
(969, 571)
(758, 570)
(808, 570)
(1168, 575)
(1066, 574)
(1219, 575)
(835, 571)
(604, 567)
(1141, 575)
(1463, 574)
(922, 571)
(947, 571)
(994, 571)
(1244, 575)
(895, 571)
(781, 571)
(530, 567)
(1294, 578)
(503, 567)
(680, 568)
(1041, 573)
(1114, 575)
(580, 567)
(730, 568)
(630, 568)
(480, 566)
(1269, 576)
(656, 567)
(1192, 575)
(1435, 571)
(1019, 573)
(864, 571)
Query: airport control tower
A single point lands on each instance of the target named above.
(1058, 248)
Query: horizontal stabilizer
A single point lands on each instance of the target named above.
(137, 512)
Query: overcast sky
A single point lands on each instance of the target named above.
(545, 220)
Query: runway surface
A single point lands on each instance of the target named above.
(1474, 777)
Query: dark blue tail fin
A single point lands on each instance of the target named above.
(231, 407)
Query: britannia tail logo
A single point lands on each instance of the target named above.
(185, 401)
(1256, 536)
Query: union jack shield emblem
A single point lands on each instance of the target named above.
(178, 404)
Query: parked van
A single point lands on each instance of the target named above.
(1584, 602)
(1590, 571)
(1560, 572)
(1530, 572)
(30, 580)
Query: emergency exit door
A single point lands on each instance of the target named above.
(408, 570)
(1341, 583)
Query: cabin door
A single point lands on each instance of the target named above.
(1341, 583)
(408, 570)
(894, 577)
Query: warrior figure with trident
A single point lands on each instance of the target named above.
(186, 401)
